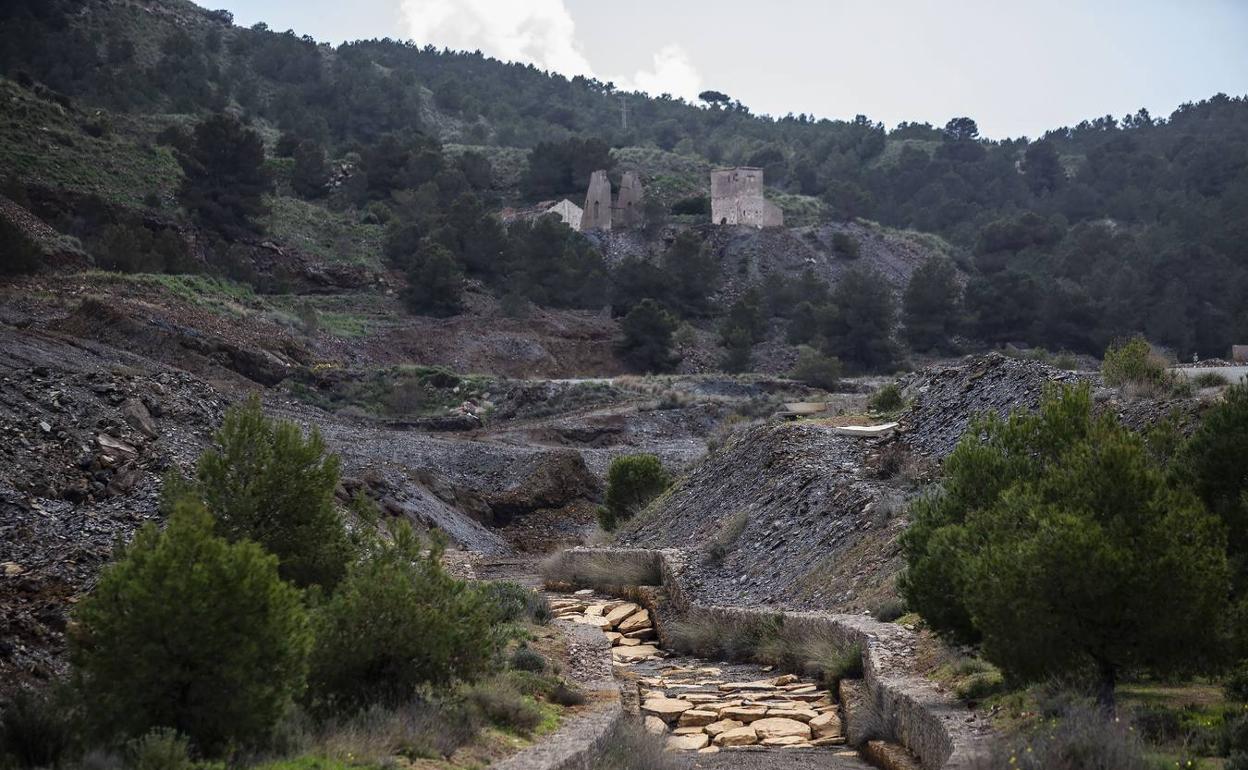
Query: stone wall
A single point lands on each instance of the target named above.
(942, 733)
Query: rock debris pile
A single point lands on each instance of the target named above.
(944, 399)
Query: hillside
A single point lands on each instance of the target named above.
(1132, 225)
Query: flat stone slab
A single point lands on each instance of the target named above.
(866, 431)
(667, 709)
(687, 742)
(739, 736)
(780, 727)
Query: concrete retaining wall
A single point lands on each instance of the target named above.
(942, 733)
(580, 740)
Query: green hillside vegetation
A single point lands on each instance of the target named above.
(1112, 227)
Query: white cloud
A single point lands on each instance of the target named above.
(673, 73)
(538, 32)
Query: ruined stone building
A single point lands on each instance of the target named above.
(737, 199)
(603, 213)
(628, 211)
(597, 213)
(567, 211)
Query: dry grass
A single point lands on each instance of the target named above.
(632, 748)
(601, 570)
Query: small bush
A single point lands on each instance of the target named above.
(633, 481)
(565, 695)
(893, 458)
(505, 706)
(1132, 361)
(524, 658)
(1210, 380)
(164, 749)
(36, 728)
(430, 726)
(887, 399)
(889, 610)
(979, 686)
(1081, 738)
(845, 245)
(730, 531)
(513, 602)
(1236, 683)
(816, 369)
(630, 747)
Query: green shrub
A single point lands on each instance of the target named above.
(18, 253)
(845, 245)
(524, 658)
(164, 749)
(979, 686)
(629, 747)
(889, 610)
(1080, 738)
(191, 632)
(1047, 545)
(1134, 362)
(1236, 683)
(633, 481)
(505, 706)
(37, 727)
(564, 694)
(399, 621)
(264, 481)
(887, 399)
(513, 602)
(816, 369)
(1210, 380)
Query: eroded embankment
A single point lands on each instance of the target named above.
(904, 706)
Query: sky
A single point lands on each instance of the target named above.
(1017, 68)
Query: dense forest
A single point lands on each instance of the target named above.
(1070, 240)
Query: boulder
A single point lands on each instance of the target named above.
(623, 641)
(136, 416)
(738, 736)
(687, 742)
(708, 750)
(780, 727)
(687, 730)
(644, 634)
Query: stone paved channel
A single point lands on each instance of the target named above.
(715, 714)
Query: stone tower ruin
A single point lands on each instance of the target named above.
(601, 213)
(737, 199)
(597, 212)
(628, 211)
